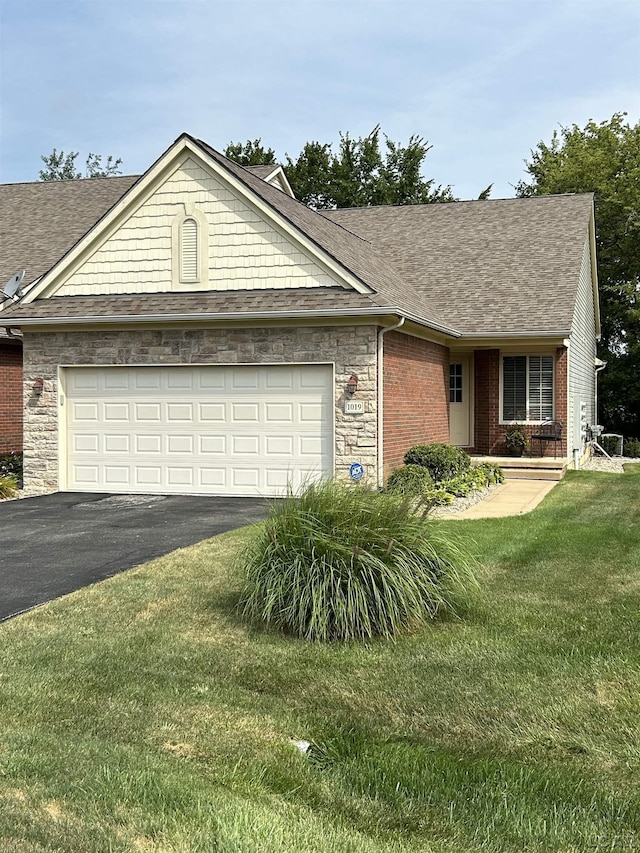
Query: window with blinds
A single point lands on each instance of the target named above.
(189, 250)
(527, 388)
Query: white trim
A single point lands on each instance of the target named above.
(279, 174)
(380, 398)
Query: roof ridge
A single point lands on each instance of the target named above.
(68, 181)
(456, 203)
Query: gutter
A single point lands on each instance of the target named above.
(380, 399)
(541, 333)
(237, 316)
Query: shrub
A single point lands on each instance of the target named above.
(443, 461)
(8, 486)
(344, 562)
(632, 448)
(610, 443)
(11, 464)
(412, 480)
(487, 474)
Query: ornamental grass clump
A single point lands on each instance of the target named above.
(8, 486)
(349, 563)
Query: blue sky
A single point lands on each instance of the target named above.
(482, 80)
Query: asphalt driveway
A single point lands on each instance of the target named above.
(55, 544)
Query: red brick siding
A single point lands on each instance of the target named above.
(415, 395)
(10, 398)
(489, 432)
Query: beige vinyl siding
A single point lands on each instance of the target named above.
(582, 352)
(243, 250)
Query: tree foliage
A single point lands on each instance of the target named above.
(62, 167)
(604, 159)
(360, 173)
(251, 153)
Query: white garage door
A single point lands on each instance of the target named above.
(218, 430)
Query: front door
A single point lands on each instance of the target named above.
(459, 401)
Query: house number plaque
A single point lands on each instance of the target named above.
(354, 407)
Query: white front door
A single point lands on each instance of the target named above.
(459, 401)
(205, 429)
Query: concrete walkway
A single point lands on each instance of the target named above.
(513, 497)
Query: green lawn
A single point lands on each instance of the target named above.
(140, 715)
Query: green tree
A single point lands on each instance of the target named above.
(604, 159)
(358, 174)
(251, 153)
(62, 167)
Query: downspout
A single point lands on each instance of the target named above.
(380, 393)
(599, 366)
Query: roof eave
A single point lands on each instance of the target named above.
(229, 316)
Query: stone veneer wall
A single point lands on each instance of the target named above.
(351, 348)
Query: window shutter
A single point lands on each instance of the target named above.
(189, 251)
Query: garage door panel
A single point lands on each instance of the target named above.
(146, 379)
(117, 475)
(116, 443)
(245, 413)
(212, 413)
(212, 443)
(253, 431)
(85, 412)
(180, 444)
(180, 475)
(182, 412)
(112, 412)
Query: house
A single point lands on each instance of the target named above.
(10, 393)
(197, 329)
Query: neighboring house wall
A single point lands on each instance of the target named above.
(415, 395)
(582, 353)
(352, 349)
(489, 431)
(243, 251)
(10, 398)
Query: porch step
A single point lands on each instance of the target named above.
(526, 468)
(513, 473)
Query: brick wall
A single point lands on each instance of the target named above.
(352, 349)
(10, 397)
(415, 395)
(489, 432)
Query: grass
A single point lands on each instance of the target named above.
(141, 715)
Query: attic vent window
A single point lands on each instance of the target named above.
(189, 250)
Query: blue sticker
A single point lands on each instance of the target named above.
(356, 471)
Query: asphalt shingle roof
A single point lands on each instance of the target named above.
(41, 221)
(322, 299)
(501, 265)
(498, 265)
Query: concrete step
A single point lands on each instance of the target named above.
(514, 473)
